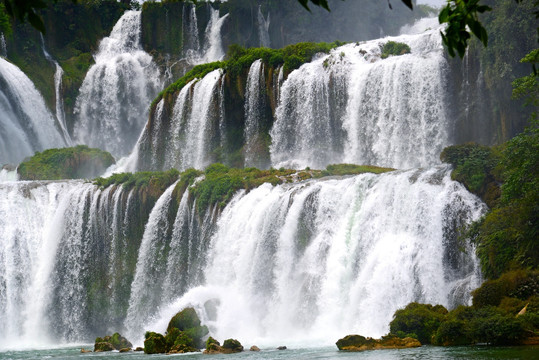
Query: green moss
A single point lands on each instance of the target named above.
(232, 345)
(66, 163)
(239, 59)
(518, 284)
(419, 321)
(154, 343)
(393, 48)
(158, 181)
(188, 323)
(352, 169)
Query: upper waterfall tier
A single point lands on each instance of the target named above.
(26, 124)
(349, 106)
(112, 105)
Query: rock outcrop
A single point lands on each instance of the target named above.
(360, 343)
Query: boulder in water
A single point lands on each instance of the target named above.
(282, 348)
(232, 346)
(360, 343)
(187, 321)
(254, 348)
(83, 350)
(103, 346)
(139, 348)
(155, 343)
(128, 349)
(117, 341)
(179, 342)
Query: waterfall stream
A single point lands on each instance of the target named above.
(352, 106)
(26, 124)
(254, 107)
(112, 106)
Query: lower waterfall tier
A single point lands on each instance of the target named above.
(306, 262)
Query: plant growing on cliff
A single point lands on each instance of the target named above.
(66, 163)
(394, 48)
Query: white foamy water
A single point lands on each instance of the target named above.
(26, 124)
(352, 106)
(112, 106)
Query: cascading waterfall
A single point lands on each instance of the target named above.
(263, 28)
(306, 263)
(254, 108)
(26, 125)
(191, 45)
(194, 129)
(213, 44)
(352, 106)
(60, 113)
(112, 106)
(3, 46)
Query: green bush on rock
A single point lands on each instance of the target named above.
(77, 162)
(188, 323)
(393, 48)
(418, 321)
(154, 343)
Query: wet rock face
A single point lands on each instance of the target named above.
(360, 343)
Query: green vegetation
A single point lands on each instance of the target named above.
(77, 162)
(115, 340)
(220, 182)
(418, 321)
(198, 72)
(5, 24)
(477, 168)
(184, 334)
(352, 169)
(239, 59)
(504, 312)
(155, 180)
(393, 48)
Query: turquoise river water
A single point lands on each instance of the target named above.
(425, 352)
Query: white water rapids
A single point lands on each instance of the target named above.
(302, 263)
(112, 105)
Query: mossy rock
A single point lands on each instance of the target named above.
(418, 321)
(79, 162)
(183, 320)
(103, 346)
(116, 340)
(232, 346)
(393, 48)
(155, 343)
(360, 343)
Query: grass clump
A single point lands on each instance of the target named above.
(393, 48)
(77, 162)
(156, 180)
(352, 169)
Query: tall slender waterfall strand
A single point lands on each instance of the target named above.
(112, 106)
(60, 113)
(26, 124)
(254, 108)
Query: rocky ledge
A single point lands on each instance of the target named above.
(360, 343)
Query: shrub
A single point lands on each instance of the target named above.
(520, 284)
(77, 162)
(393, 48)
(420, 319)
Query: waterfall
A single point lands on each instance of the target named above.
(191, 45)
(305, 263)
(186, 137)
(352, 106)
(26, 125)
(112, 106)
(60, 113)
(254, 111)
(213, 49)
(31, 219)
(3, 46)
(263, 27)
